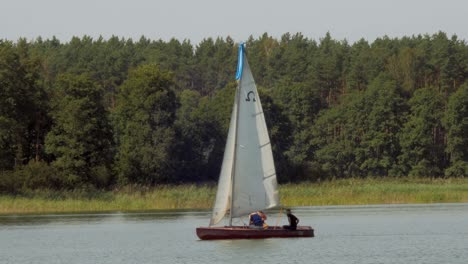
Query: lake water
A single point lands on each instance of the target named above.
(434, 233)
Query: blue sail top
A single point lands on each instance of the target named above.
(240, 61)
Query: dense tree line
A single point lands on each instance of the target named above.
(99, 113)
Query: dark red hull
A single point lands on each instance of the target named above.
(244, 232)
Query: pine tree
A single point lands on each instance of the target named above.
(421, 138)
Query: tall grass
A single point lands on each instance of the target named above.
(375, 191)
(337, 192)
(130, 198)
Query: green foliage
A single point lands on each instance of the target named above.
(333, 109)
(144, 120)
(421, 138)
(9, 183)
(80, 137)
(201, 132)
(360, 67)
(327, 70)
(172, 56)
(214, 64)
(334, 141)
(359, 136)
(191, 134)
(382, 119)
(299, 103)
(34, 175)
(210, 122)
(456, 124)
(22, 106)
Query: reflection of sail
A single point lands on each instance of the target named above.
(248, 169)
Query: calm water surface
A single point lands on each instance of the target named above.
(436, 233)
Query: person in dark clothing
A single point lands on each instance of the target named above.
(293, 221)
(257, 219)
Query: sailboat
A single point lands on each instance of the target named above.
(247, 181)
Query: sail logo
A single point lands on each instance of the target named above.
(247, 97)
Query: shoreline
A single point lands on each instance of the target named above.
(370, 191)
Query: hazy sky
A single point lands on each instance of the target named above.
(199, 19)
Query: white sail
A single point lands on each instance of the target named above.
(255, 185)
(248, 168)
(223, 195)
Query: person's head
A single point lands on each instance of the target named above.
(262, 215)
(288, 211)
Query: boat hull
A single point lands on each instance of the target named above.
(244, 232)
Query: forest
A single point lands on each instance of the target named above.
(100, 113)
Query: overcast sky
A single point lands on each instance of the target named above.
(199, 19)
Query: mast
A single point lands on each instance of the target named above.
(233, 169)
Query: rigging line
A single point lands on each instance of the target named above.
(279, 217)
(256, 114)
(242, 220)
(269, 176)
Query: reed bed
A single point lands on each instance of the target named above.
(336, 192)
(130, 198)
(375, 191)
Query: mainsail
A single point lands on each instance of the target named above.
(248, 178)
